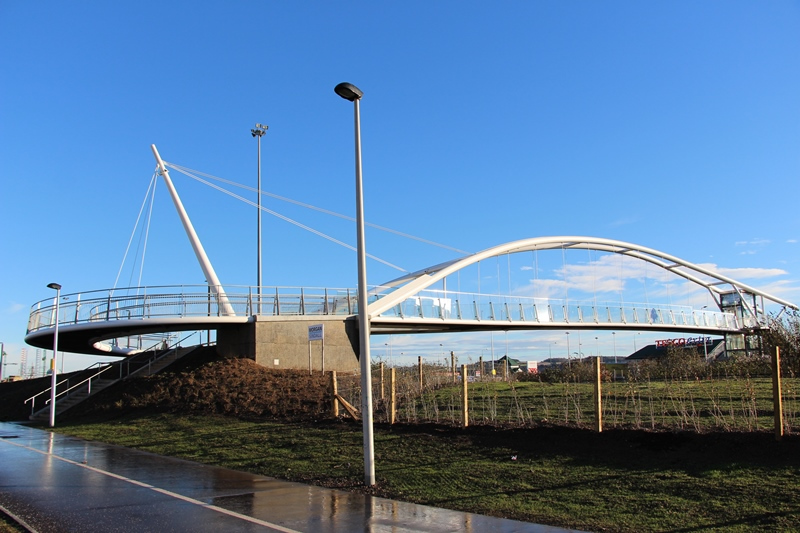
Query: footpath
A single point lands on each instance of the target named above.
(55, 483)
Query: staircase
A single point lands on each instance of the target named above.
(141, 365)
(75, 397)
(154, 366)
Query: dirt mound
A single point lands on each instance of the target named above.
(233, 387)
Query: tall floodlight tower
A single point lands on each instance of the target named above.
(257, 132)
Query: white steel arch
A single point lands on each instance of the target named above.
(410, 284)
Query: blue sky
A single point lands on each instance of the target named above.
(674, 125)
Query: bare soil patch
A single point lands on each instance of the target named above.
(205, 383)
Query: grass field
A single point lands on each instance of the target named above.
(619, 480)
(678, 453)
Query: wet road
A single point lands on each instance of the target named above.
(55, 483)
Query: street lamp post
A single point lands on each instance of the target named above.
(614, 337)
(57, 288)
(350, 92)
(258, 131)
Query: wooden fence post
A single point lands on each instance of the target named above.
(334, 392)
(419, 359)
(598, 396)
(382, 387)
(777, 394)
(392, 396)
(465, 408)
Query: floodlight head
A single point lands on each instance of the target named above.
(55, 286)
(348, 91)
(259, 130)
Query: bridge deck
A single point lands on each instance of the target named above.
(86, 319)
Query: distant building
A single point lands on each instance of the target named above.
(706, 346)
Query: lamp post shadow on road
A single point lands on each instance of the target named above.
(350, 92)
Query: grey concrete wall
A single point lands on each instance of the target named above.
(282, 342)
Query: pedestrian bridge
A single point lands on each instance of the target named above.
(87, 321)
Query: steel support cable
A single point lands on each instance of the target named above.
(594, 276)
(289, 220)
(136, 224)
(190, 172)
(147, 233)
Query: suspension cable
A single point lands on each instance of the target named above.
(136, 224)
(294, 222)
(191, 173)
(146, 235)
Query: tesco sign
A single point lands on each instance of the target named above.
(683, 342)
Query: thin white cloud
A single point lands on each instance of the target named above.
(783, 288)
(15, 308)
(623, 222)
(745, 273)
(753, 242)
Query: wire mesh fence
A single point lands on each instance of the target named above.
(729, 396)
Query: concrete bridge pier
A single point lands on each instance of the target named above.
(282, 342)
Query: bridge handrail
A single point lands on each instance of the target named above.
(444, 305)
(187, 301)
(177, 301)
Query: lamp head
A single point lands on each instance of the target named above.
(55, 286)
(348, 91)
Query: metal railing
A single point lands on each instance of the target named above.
(69, 388)
(183, 301)
(186, 301)
(501, 308)
(124, 367)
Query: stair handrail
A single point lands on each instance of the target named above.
(89, 379)
(33, 404)
(156, 357)
(108, 365)
(152, 359)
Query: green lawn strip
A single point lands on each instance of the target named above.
(615, 481)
